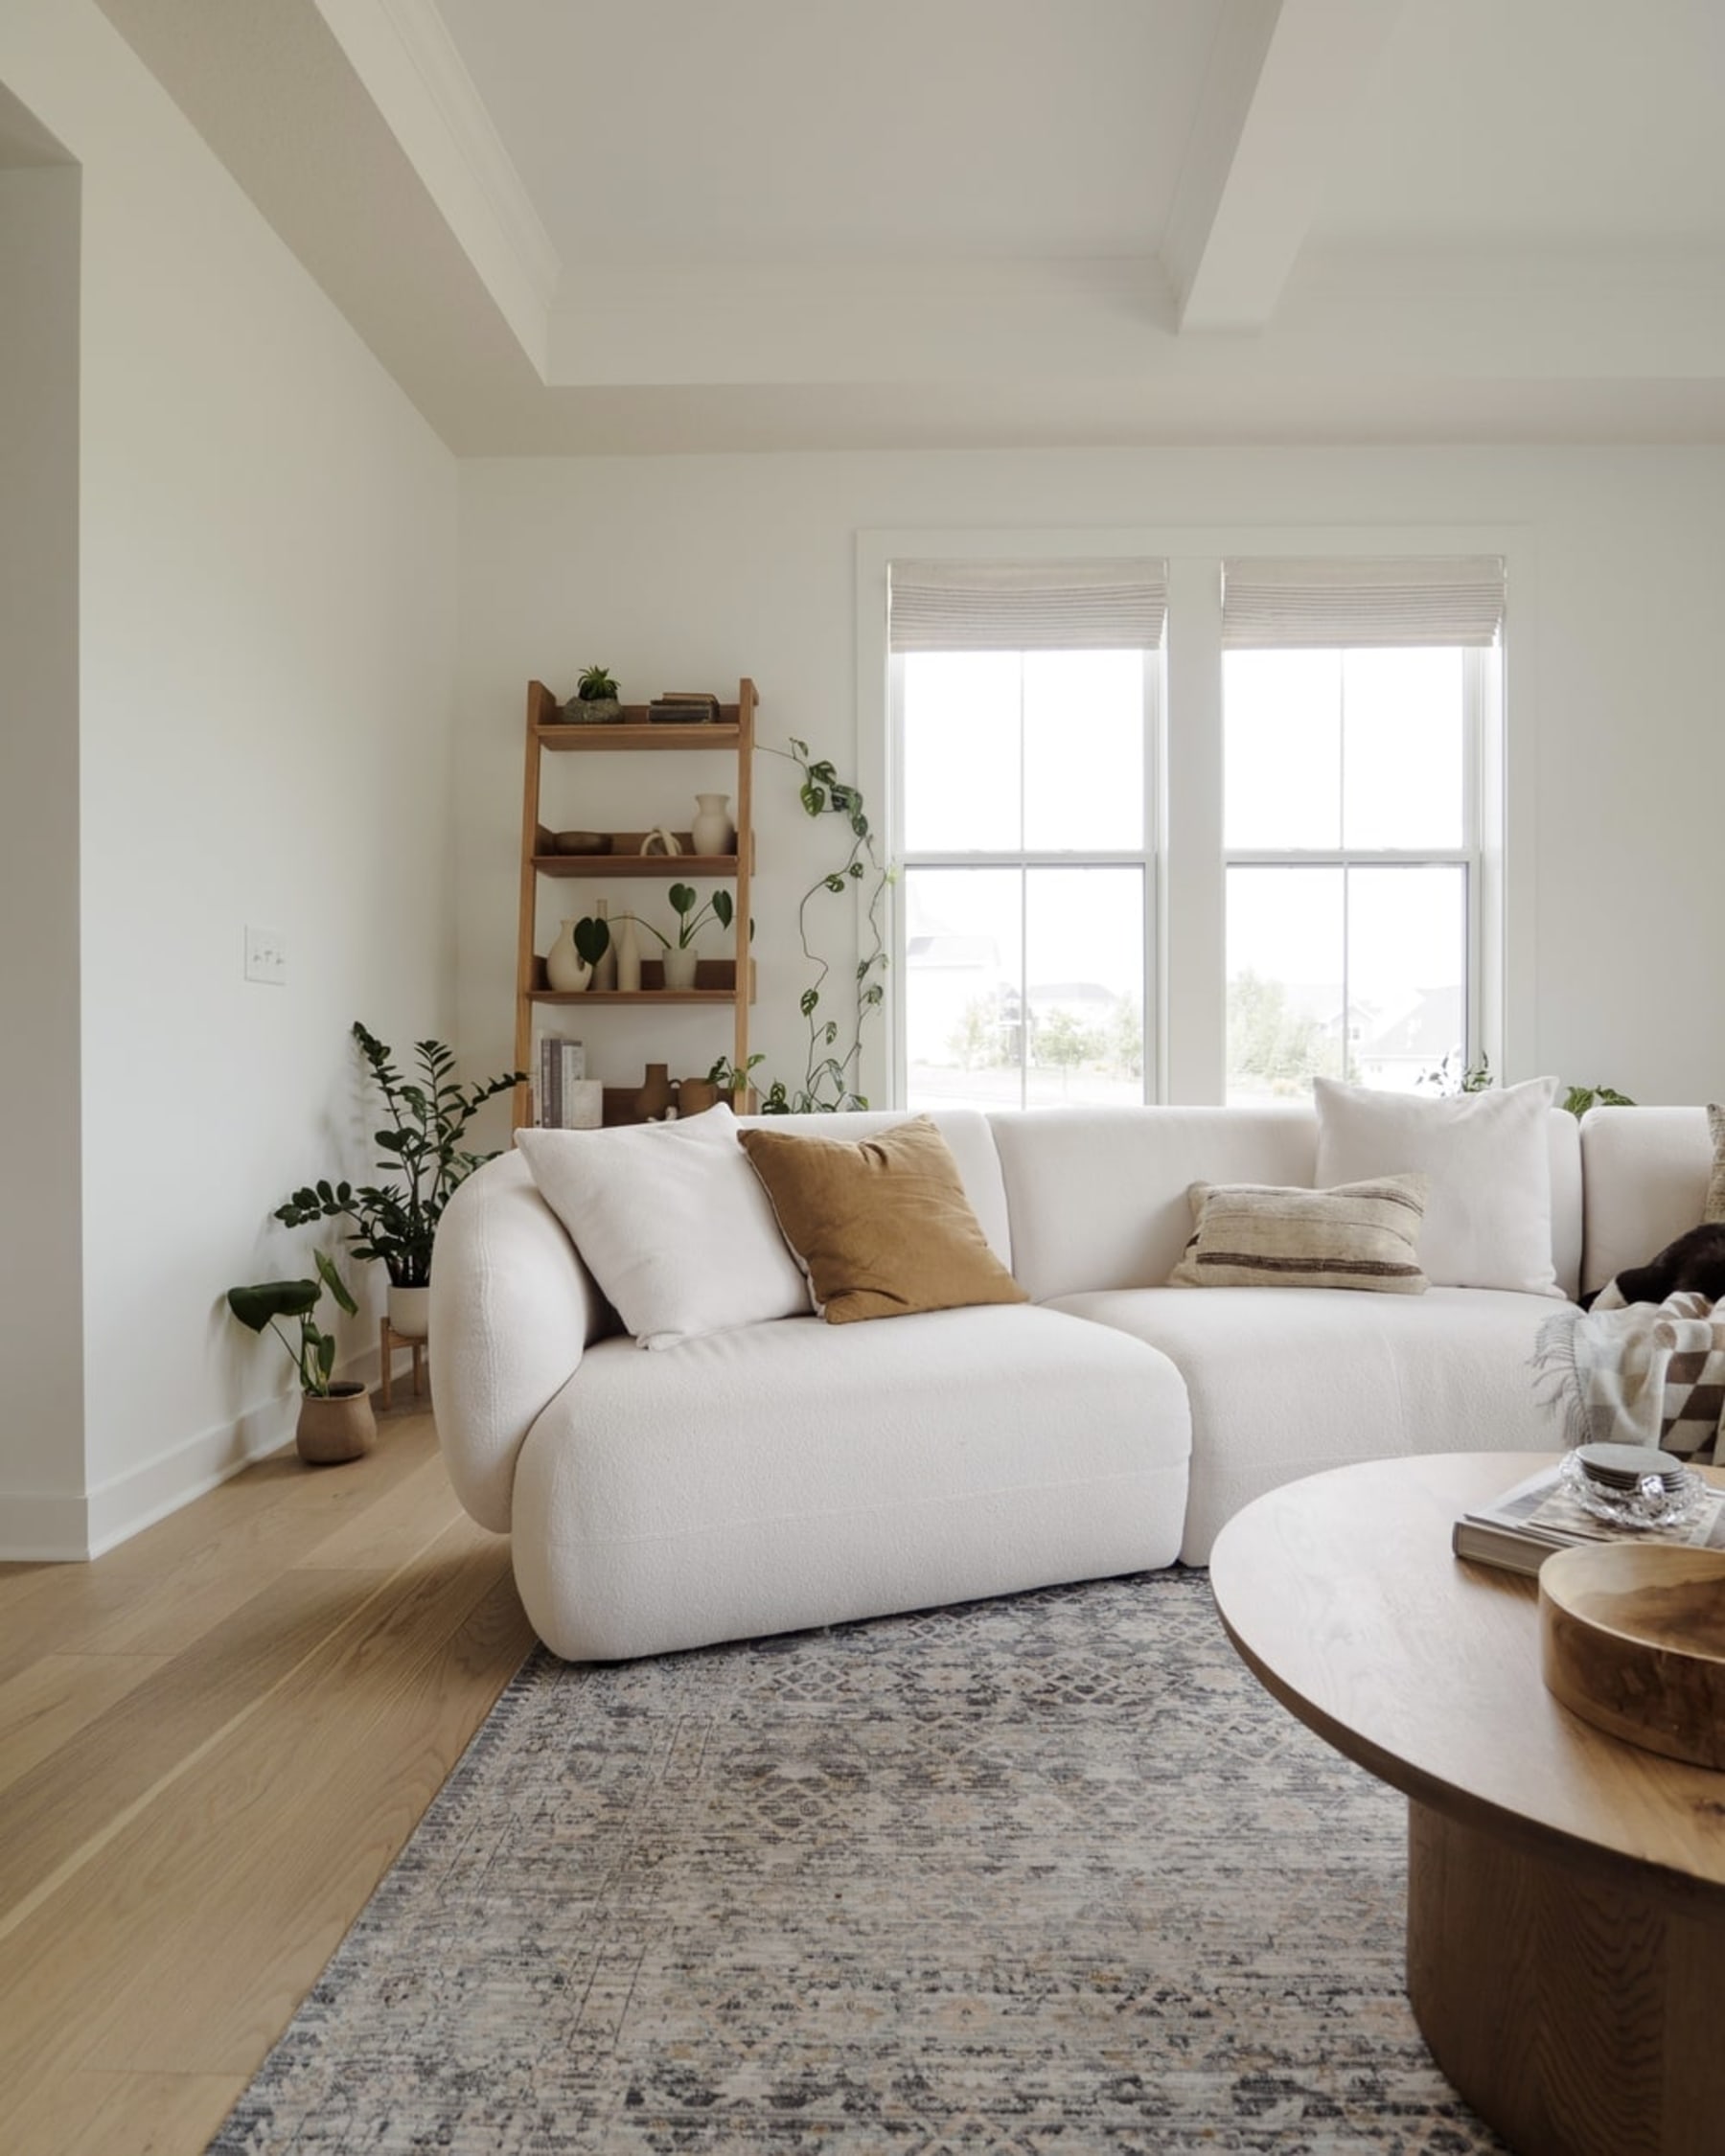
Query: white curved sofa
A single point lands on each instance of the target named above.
(794, 1473)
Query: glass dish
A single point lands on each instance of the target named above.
(1662, 1499)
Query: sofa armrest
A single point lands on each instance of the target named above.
(511, 1311)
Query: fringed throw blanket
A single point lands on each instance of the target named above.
(1641, 1373)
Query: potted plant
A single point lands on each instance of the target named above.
(731, 1083)
(596, 702)
(680, 958)
(336, 1420)
(396, 1222)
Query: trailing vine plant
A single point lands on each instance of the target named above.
(835, 1043)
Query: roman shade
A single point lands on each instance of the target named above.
(1097, 606)
(1409, 603)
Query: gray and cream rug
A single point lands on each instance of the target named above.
(1043, 1874)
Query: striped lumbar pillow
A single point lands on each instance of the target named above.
(1357, 1235)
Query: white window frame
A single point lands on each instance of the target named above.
(1142, 857)
(1189, 1017)
(1478, 669)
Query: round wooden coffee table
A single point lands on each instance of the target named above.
(1566, 1891)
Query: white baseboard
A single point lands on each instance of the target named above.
(50, 1530)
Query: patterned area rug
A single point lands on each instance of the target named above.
(1043, 1874)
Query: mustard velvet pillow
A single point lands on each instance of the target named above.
(1357, 1235)
(880, 1226)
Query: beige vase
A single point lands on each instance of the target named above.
(565, 969)
(409, 1311)
(336, 1426)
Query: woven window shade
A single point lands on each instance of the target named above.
(1275, 605)
(1027, 605)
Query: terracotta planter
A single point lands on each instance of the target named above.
(336, 1426)
(409, 1311)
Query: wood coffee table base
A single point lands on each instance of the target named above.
(1574, 2002)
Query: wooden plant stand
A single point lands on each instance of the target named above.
(388, 1341)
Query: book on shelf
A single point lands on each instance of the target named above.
(1541, 1514)
(566, 1096)
(688, 707)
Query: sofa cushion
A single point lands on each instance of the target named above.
(799, 1474)
(1488, 1217)
(881, 1225)
(1363, 1235)
(1647, 1171)
(671, 1223)
(1288, 1382)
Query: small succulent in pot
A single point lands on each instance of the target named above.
(596, 702)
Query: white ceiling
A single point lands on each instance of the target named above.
(640, 225)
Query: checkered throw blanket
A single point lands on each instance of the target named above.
(1639, 1374)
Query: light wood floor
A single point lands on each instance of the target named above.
(214, 1741)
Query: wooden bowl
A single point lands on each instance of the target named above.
(1633, 1641)
(583, 841)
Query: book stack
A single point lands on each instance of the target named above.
(1542, 1514)
(684, 707)
(569, 1099)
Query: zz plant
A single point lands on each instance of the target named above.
(428, 1115)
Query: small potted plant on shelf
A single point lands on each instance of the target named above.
(396, 1222)
(596, 702)
(336, 1420)
(680, 957)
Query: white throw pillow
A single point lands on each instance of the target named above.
(1488, 1218)
(672, 1222)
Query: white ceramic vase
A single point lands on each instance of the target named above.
(680, 962)
(604, 972)
(628, 955)
(712, 829)
(565, 969)
(409, 1311)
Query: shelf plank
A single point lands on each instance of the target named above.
(643, 996)
(666, 867)
(722, 734)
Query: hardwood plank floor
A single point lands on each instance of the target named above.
(213, 1742)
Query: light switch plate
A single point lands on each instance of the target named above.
(266, 958)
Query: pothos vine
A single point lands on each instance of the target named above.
(835, 1045)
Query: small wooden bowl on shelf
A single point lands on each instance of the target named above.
(582, 841)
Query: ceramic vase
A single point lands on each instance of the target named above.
(654, 1096)
(604, 972)
(628, 944)
(337, 1425)
(712, 829)
(680, 962)
(565, 969)
(695, 1095)
(409, 1311)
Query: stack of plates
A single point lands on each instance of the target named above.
(1627, 1467)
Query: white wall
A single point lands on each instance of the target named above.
(686, 571)
(42, 1341)
(266, 596)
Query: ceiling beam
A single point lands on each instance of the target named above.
(1283, 79)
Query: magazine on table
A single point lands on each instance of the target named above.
(1541, 1514)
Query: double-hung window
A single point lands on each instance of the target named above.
(1356, 696)
(1025, 696)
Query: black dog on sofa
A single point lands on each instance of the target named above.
(1693, 1264)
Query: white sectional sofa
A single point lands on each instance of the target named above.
(794, 1473)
